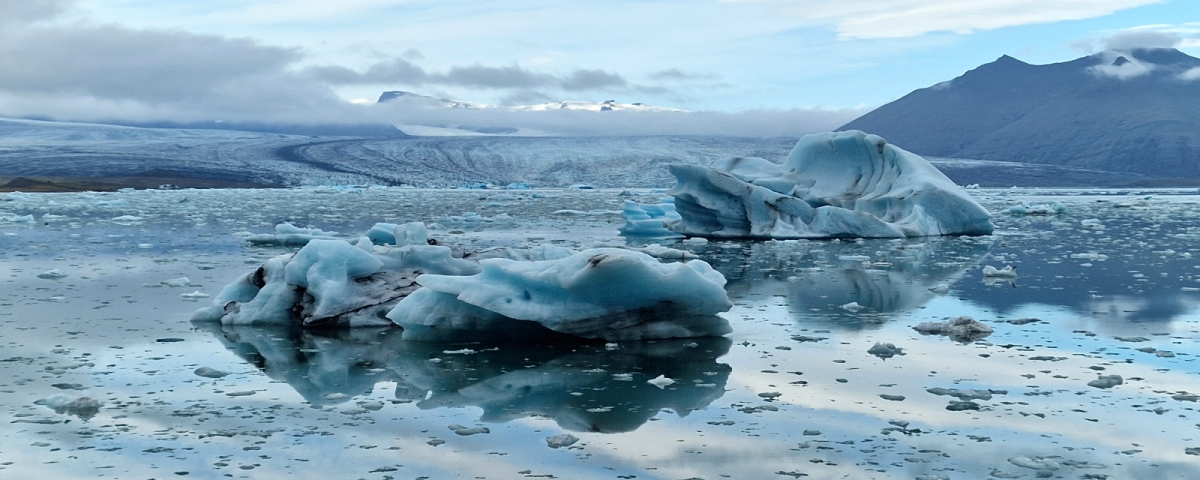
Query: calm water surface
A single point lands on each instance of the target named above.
(1110, 288)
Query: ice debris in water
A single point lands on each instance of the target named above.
(605, 293)
(961, 328)
(412, 233)
(208, 372)
(885, 350)
(1006, 272)
(1024, 208)
(562, 440)
(650, 219)
(54, 274)
(287, 234)
(177, 282)
(940, 289)
(661, 381)
(1106, 381)
(843, 184)
(82, 407)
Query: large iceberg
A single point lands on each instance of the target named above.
(440, 293)
(606, 293)
(841, 184)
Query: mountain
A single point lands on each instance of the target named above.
(1136, 112)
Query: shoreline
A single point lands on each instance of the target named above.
(38, 184)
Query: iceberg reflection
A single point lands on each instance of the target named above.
(819, 278)
(583, 387)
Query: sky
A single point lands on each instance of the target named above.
(746, 67)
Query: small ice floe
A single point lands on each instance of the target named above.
(993, 272)
(852, 307)
(207, 372)
(1046, 464)
(1024, 208)
(177, 282)
(885, 350)
(563, 440)
(195, 295)
(832, 185)
(287, 234)
(127, 220)
(464, 431)
(1106, 381)
(963, 329)
(940, 289)
(966, 394)
(661, 381)
(649, 219)
(82, 407)
(464, 351)
(54, 274)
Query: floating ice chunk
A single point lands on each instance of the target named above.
(661, 381)
(962, 329)
(82, 407)
(382, 233)
(412, 233)
(940, 289)
(18, 219)
(563, 440)
(177, 282)
(53, 274)
(287, 234)
(650, 219)
(852, 307)
(1035, 463)
(1006, 272)
(1106, 381)
(126, 220)
(194, 295)
(885, 350)
(844, 184)
(604, 293)
(208, 372)
(1024, 208)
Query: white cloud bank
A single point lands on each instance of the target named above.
(81, 71)
(863, 19)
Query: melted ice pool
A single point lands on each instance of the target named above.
(97, 290)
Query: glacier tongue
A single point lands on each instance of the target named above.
(840, 184)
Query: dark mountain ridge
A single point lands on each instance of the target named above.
(1135, 112)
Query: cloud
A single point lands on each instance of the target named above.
(1121, 67)
(1128, 40)
(861, 19)
(677, 75)
(80, 71)
(402, 71)
(1190, 75)
(19, 11)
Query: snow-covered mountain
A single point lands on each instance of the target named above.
(1136, 111)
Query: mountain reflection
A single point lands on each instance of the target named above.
(582, 386)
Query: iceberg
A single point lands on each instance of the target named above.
(649, 219)
(833, 185)
(602, 293)
(439, 293)
(287, 234)
(331, 283)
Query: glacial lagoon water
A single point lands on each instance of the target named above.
(93, 303)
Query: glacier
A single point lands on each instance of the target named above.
(833, 185)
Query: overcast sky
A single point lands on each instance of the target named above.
(747, 66)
